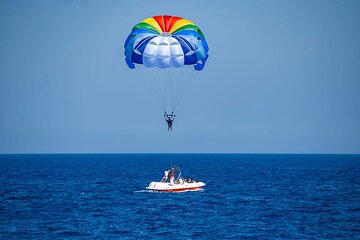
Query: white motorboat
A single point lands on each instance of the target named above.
(179, 185)
(176, 187)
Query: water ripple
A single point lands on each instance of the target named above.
(246, 197)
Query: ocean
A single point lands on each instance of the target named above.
(247, 196)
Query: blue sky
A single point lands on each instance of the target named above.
(282, 77)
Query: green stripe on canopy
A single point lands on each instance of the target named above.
(190, 27)
(145, 26)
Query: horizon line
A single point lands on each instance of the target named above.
(177, 153)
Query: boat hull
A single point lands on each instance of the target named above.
(169, 187)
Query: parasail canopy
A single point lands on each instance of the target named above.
(166, 41)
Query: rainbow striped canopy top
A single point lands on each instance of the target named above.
(166, 41)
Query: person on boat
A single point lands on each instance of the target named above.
(166, 173)
(171, 177)
(169, 118)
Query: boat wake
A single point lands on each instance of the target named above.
(180, 191)
(142, 191)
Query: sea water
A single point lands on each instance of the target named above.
(247, 196)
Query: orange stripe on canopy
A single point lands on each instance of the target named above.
(160, 21)
(173, 20)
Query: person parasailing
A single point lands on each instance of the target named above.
(169, 118)
(166, 42)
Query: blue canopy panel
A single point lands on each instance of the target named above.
(189, 51)
(195, 56)
(140, 32)
(136, 35)
(137, 54)
(195, 36)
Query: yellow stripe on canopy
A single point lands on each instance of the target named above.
(153, 23)
(179, 24)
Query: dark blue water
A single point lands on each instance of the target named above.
(246, 197)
